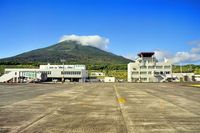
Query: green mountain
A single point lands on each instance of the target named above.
(71, 52)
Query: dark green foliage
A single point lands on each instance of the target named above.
(107, 66)
(71, 51)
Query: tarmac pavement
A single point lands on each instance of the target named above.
(99, 108)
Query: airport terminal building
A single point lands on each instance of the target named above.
(70, 73)
(146, 68)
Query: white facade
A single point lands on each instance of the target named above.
(60, 72)
(71, 72)
(109, 79)
(146, 68)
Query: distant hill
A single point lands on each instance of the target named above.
(71, 51)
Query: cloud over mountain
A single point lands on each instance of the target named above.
(91, 40)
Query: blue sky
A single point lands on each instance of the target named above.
(168, 26)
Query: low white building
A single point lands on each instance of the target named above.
(77, 73)
(197, 77)
(185, 77)
(146, 68)
(109, 79)
(73, 73)
(23, 75)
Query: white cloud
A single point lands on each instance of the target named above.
(92, 40)
(191, 56)
(161, 55)
(186, 57)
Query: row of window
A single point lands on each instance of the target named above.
(66, 67)
(60, 67)
(150, 72)
(137, 79)
(71, 73)
(52, 67)
(135, 73)
(167, 72)
(153, 67)
(47, 72)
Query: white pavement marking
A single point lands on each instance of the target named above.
(127, 121)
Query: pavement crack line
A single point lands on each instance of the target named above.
(127, 121)
(168, 122)
(170, 101)
(22, 129)
(38, 119)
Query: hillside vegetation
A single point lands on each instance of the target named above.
(71, 51)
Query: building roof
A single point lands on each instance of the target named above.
(146, 54)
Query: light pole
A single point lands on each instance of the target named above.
(181, 68)
(63, 78)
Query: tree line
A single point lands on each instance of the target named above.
(191, 68)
